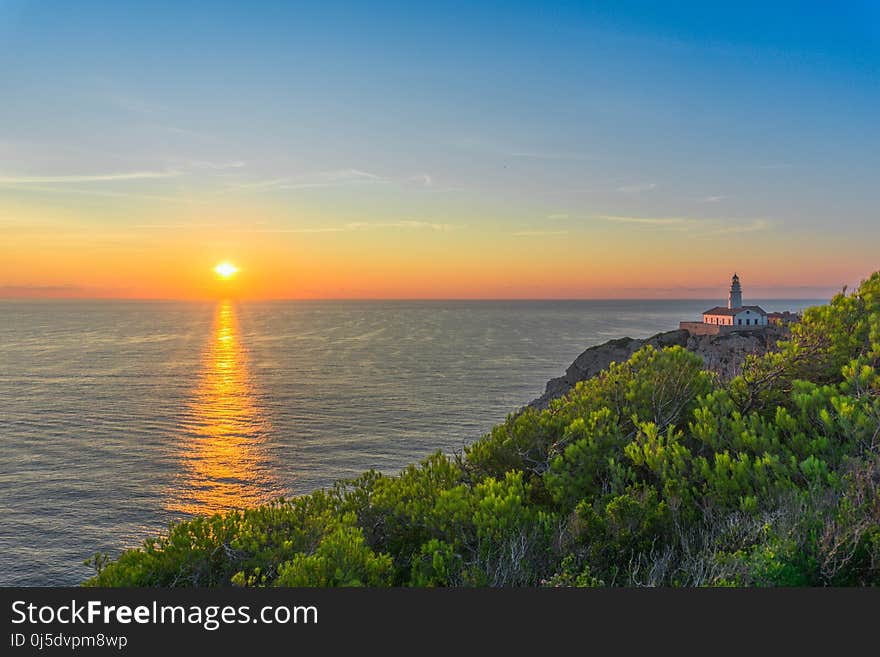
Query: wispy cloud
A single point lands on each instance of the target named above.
(403, 224)
(539, 233)
(99, 177)
(37, 290)
(185, 132)
(422, 179)
(706, 226)
(775, 165)
(122, 97)
(91, 191)
(551, 155)
(63, 290)
(335, 178)
(133, 104)
(638, 188)
(751, 227)
(347, 227)
(222, 165)
(331, 229)
(102, 184)
(348, 174)
(710, 199)
(177, 226)
(650, 221)
(558, 216)
(258, 185)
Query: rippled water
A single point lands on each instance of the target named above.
(118, 417)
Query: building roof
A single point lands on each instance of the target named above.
(721, 310)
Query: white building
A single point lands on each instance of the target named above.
(736, 315)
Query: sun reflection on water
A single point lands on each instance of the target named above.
(224, 452)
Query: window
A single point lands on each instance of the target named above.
(740, 322)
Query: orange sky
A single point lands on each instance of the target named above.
(58, 251)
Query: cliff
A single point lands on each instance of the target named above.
(723, 354)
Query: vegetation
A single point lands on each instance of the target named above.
(652, 473)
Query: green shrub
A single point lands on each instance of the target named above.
(342, 558)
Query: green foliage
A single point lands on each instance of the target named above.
(572, 574)
(584, 468)
(437, 564)
(397, 513)
(209, 551)
(649, 474)
(656, 386)
(610, 533)
(485, 534)
(342, 558)
(777, 563)
(821, 348)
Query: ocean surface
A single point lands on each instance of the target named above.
(119, 417)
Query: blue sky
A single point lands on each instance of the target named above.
(556, 122)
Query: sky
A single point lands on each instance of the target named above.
(438, 150)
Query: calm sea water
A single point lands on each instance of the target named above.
(118, 417)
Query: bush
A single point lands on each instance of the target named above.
(342, 558)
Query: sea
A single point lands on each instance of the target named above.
(120, 417)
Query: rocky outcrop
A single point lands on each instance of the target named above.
(723, 354)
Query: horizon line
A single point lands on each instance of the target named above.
(386, 299)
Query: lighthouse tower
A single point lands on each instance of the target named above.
(735, 297)
(736, 317)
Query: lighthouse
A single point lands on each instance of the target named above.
(735, 296)
(735, 317)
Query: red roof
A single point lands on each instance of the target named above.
(722, 310)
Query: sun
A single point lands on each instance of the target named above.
(226, 270)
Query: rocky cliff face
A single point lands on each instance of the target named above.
(723, 354)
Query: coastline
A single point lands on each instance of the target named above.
(723, 354)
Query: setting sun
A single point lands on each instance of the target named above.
(226, 270)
